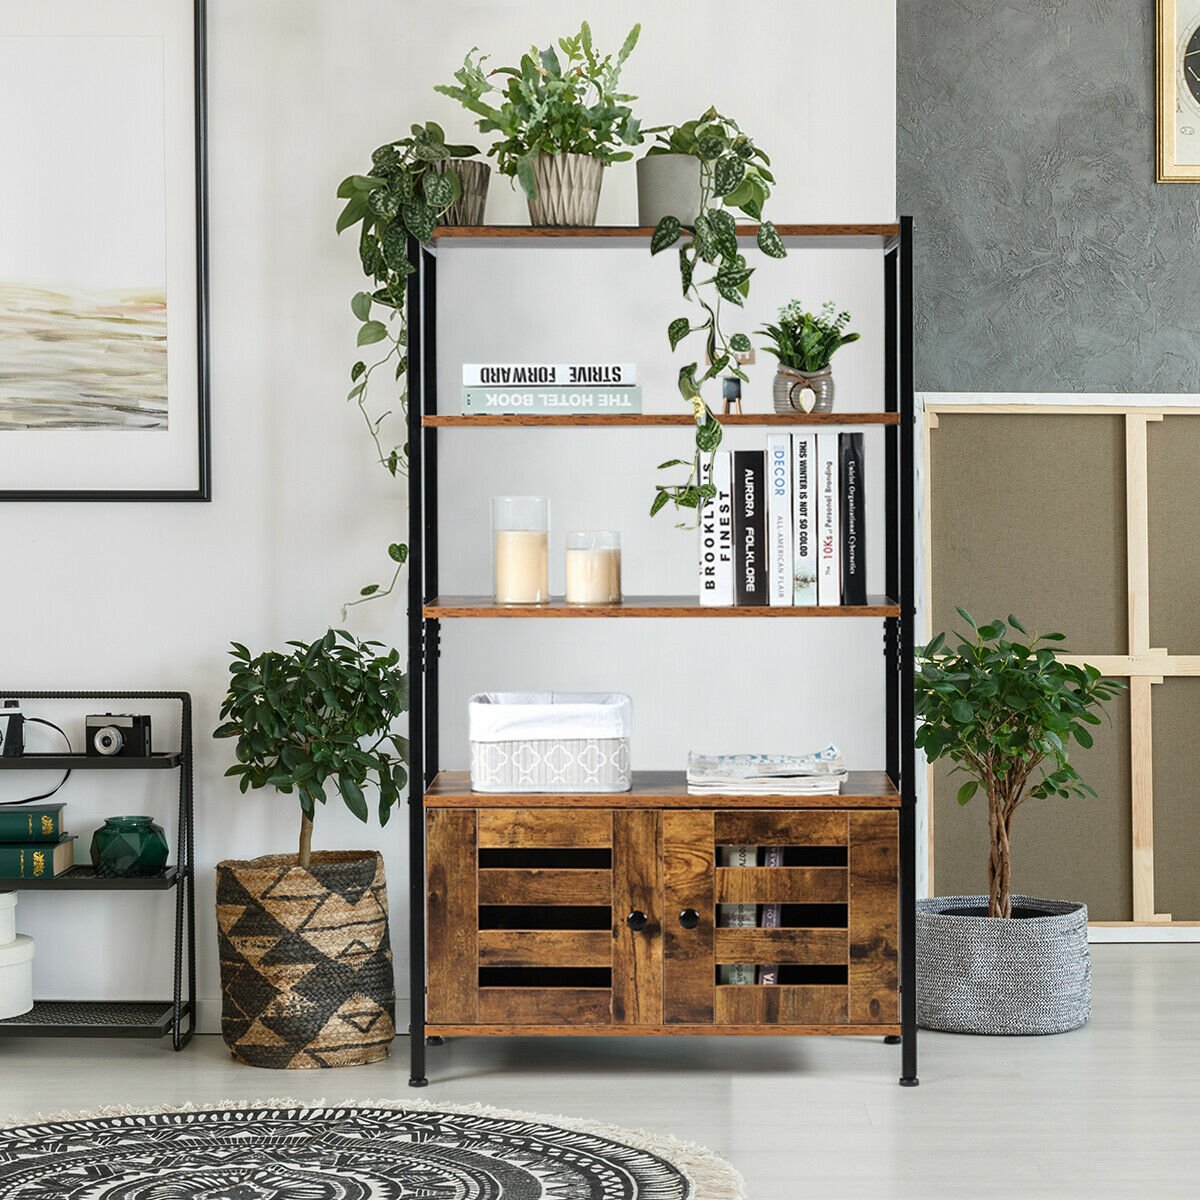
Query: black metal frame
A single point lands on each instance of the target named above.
(181, 879)
(203, 489)
(424, 636)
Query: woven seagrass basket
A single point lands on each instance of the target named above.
(306, 961)
(1029, 974)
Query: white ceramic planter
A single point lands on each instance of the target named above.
(16, 977)
(668, 186)
(8, 917)
(568, 189)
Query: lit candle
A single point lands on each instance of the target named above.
(520, 532)
(594, 568)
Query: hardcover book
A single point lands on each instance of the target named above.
(570, 375)
(829, 538)
(737, 916)
(779, 519)
(545, 401)
(42, 823)
(853, 519)
(804, 511)
(716, 532)
(749, 527)
(37, 860)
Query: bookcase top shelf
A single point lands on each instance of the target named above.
(618, 420)
(657, 789)
(643, 232)
(450, 607)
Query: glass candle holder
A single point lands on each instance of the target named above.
(594, 567)
(521, 549)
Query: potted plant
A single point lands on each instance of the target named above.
(712, 268)
(1004, 712)
(669, 177)
(306, 961)
(805, 343)
(561, 120)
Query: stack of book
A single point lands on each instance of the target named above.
(33, 842)
(786, 526)
(549, 389)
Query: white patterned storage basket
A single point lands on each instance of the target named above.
(550, 742)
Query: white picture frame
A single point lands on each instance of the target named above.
(1178, 125)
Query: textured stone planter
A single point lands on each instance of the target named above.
(668, 186)
(1030, 974)
(306, 962)
(567, 189)
(473, 179)
(803, 391)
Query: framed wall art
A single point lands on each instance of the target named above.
(103, 266)
(1178, 91)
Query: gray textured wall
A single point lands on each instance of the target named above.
(1047, 258)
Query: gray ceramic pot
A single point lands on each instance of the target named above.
(473, 180)
(978, 974)
(668, 185)
(803, 391)
(568, 189)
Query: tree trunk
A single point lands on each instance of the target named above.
(1000, 858)
(305, 840)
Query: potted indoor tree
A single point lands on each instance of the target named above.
(1004, 710)
(306, 961)
(561, 121)
(805, 343)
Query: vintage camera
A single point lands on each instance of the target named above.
(12, 730)
(114, 734)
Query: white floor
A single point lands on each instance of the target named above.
(1110, 1111)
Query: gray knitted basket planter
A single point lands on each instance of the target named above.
(979, 974)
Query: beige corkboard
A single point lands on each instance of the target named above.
(1173, 452)
(1028, 517)
(1176, 706)
(1062, 849)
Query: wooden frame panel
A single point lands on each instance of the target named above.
(874, 869)
(781, 885)
(541, 885)
(801, 1004)
(452, 915)
(1142, 665)
(637, 886)
(818, 947)
(545, 948)
(689, 875)
(520, 828)
(750, 828)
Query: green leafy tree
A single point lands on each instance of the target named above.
(318, 714)
(406, 194)
(551, 105)
(734, 174)
(1005, 711)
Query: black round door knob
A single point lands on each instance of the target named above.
(637, 920)
(689, 918)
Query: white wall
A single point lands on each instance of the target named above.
(148, 596)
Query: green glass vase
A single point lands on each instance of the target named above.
(129, 846)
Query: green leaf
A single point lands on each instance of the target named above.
(666, 233)
(355, 210)
(769, 241)
(359, 369)
(688, 388)
(967, 790)
(398, 552)
(660, 502)
(740, 344)
(966, 616)
(438, 189)
(369, 590)
(1082, 736)
(360, 306)
(371, 332)
(678, 330)
(727, 173)
(685, 269)
(708, 435)
(352, 794)
(419, 219)
(962, 712)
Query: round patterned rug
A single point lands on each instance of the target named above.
(283, 1150)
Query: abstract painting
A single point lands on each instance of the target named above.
(103, 360)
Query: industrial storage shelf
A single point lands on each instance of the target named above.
(639, 233)
(633, 420)
(485, 607)
(90, 762)
(95, 1018)
(85, 879)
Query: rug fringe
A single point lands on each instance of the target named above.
(711, 1177)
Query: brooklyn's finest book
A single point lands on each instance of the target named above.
(853, 520)
(829, 537)
(572, 375)
(804, 510)
(716, 532)
(37, 860)
(749, 527)
(737, 916)
(779, 518)
(549, 400)
(772, 914)
(42, 823)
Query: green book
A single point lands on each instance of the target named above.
(37, 860)
(37, 823)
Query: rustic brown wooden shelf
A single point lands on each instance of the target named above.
(638, 232)
(651, 789)
(707, 1030)
(485, 607)
(626, 420)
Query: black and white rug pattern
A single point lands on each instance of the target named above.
(370, 1151)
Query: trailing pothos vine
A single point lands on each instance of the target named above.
(407, 192)
(734, 174)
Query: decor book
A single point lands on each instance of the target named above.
(785, 527)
